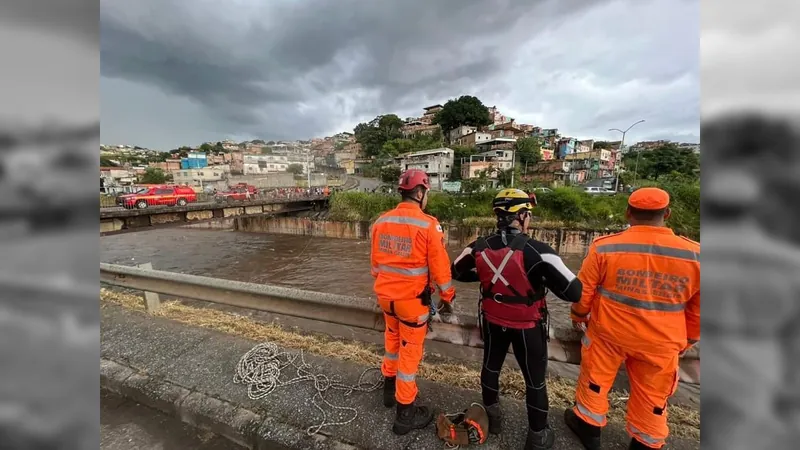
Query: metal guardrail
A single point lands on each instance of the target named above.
(564, 344)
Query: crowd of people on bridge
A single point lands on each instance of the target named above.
(298, 192)
(636, 300)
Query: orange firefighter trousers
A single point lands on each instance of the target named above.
(404, 344)
(653, 379)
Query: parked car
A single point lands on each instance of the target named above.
(236, 193)
(541, 190)
(158, 196)
(598, 191)
(253, 190)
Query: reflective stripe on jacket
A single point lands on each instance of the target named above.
(408, 254)
(642, 287)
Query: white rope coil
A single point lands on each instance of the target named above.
(261, 369)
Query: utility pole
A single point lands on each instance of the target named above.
(513, 157)
(621, 144)
(308, 168)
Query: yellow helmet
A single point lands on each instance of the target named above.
(511, 201)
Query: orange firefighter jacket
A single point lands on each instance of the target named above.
(409, 255)
(642, 287)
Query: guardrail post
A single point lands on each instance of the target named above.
(152, 301)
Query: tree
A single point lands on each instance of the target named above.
(295, 168)
(529, 150)
(153, 175)
(390, 174)
(377, 132)
(602, 145)
(390, 124)
(416, 143)
(206, 148)
(667, 159)
(105, 161)
(219, 148)
(504, 177)
(465, 110)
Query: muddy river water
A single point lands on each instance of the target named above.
(336, 266)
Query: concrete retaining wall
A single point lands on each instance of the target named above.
(565, 241)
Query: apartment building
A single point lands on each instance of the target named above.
(472, 139)
(438, 163)
(456, 133)
(116, 180)
(497, 144)
(168, 166)
(264, 164)
(199, 178)
(491, 161)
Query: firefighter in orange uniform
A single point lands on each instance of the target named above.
(641, 306)
(408, 259)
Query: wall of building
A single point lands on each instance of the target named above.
(458, 132)
(273, 180)
(473, 139)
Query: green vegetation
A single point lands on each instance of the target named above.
(563, 207)
(153, 175)
(529, 150)
(390, 174)
(465, 110)
(105, 161)
(666, 160)
(374, 134)
(295, 168)
(415, 143)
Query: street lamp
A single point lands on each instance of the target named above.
(621, 144)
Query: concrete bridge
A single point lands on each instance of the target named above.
(119, 220)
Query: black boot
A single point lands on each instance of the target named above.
(544, 438)
(389, 386)
(636, 445)
(495, 415)
(411, 417)
(588, 434)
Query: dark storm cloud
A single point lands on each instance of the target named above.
(252, 63)
(72, 17)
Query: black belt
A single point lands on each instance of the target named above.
(410, 324)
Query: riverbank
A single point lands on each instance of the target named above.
(566, 207)
(566, 241)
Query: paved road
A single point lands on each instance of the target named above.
(125, 425)
(367, 183)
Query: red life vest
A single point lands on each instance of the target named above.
(508, 298)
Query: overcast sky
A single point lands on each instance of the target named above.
(749, 55)
(180, 72)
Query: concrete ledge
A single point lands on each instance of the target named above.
(188, 372)
(233, 422)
